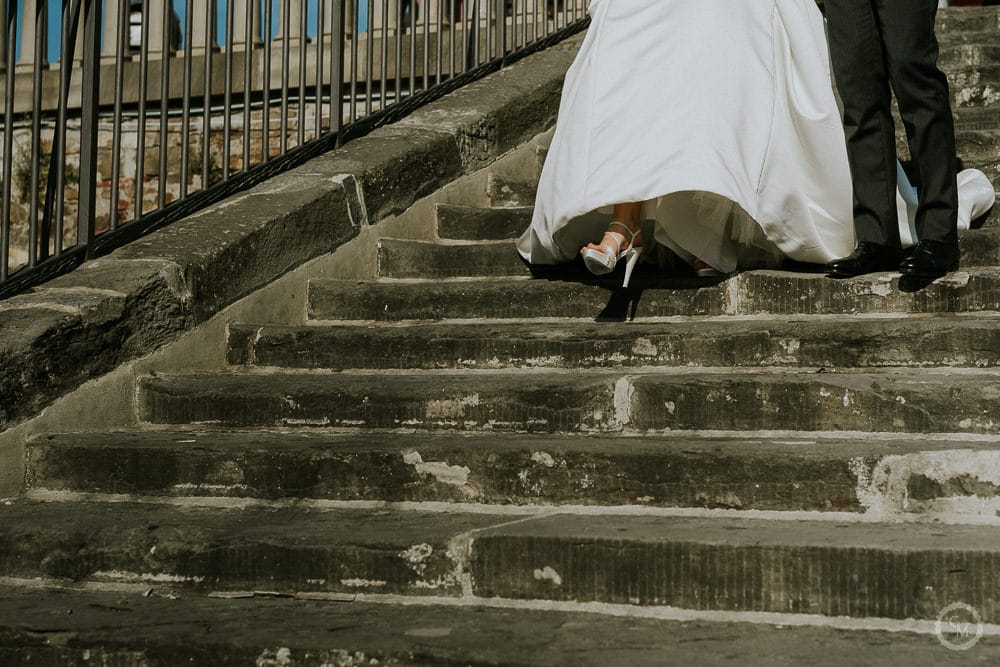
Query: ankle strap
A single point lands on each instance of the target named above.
(631, 234)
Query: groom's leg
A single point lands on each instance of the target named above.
(863, 81)
(925, 107)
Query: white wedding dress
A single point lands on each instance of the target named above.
(718, 115)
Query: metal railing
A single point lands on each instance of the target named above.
(152, 109)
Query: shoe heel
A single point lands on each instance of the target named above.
(631, 257)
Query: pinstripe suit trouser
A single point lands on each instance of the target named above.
(880, 47)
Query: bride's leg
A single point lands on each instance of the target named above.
(628, 215)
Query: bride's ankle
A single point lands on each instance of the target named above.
(631, 232)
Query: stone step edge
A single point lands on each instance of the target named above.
(855, 472)
(673, 618)
(535, 344)
(493, 555)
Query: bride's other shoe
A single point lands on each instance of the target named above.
(976, 198)
(604, 260)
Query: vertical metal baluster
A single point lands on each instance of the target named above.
(140, 163)
(66, 55)
(165, 55)
(501, 37)
(41, 29)
(8, 138)
(426, 77)
(369, 58)
(352, 111)
(456, 18)
(206, 121)
(227, 105)
(531, 16)
(384, 61)
(303, 51)
(398, 56)
(116, 131)
(90, 103)
(489, 32)
(248, 51)
(285, 58)
(186, 101)
(337, 46)
(524, 23)
(439, 43)
(477, 35)
(265, 149)
(468, 21)
(413, 50)
(320, 27)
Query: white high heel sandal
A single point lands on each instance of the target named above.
(604, 261)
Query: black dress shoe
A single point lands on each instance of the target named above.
(867, 258)
(930, 259)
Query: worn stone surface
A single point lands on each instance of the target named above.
(393, 167)
(818, 343)
(586, 401)
(235, 247)
(420, 259)
(896, 401)
(675, 471)
(468, 223)
(505, 299)
(67, 627)
(52, 339)
(749, 293)
(210, 549)
(511, 192)
(242, 244)
(858, 570)
(543, 403)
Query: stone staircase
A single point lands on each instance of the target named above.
(462, 433)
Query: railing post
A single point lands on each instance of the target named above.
(89, 99)
(31, 32)
(333, 18)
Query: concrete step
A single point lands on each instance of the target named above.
(128, 628)
(901, 477)
(956, 22)
(401, 258)
(862, 570)
(955, 56)
(239, 548)
(750, 293)
(836, 342)
(468, 223)
(973, 119)
(511, 192)
(894, 400)
(835, 569)
(404, 258)
(981, 247)
(543, 403)
(982, 146)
